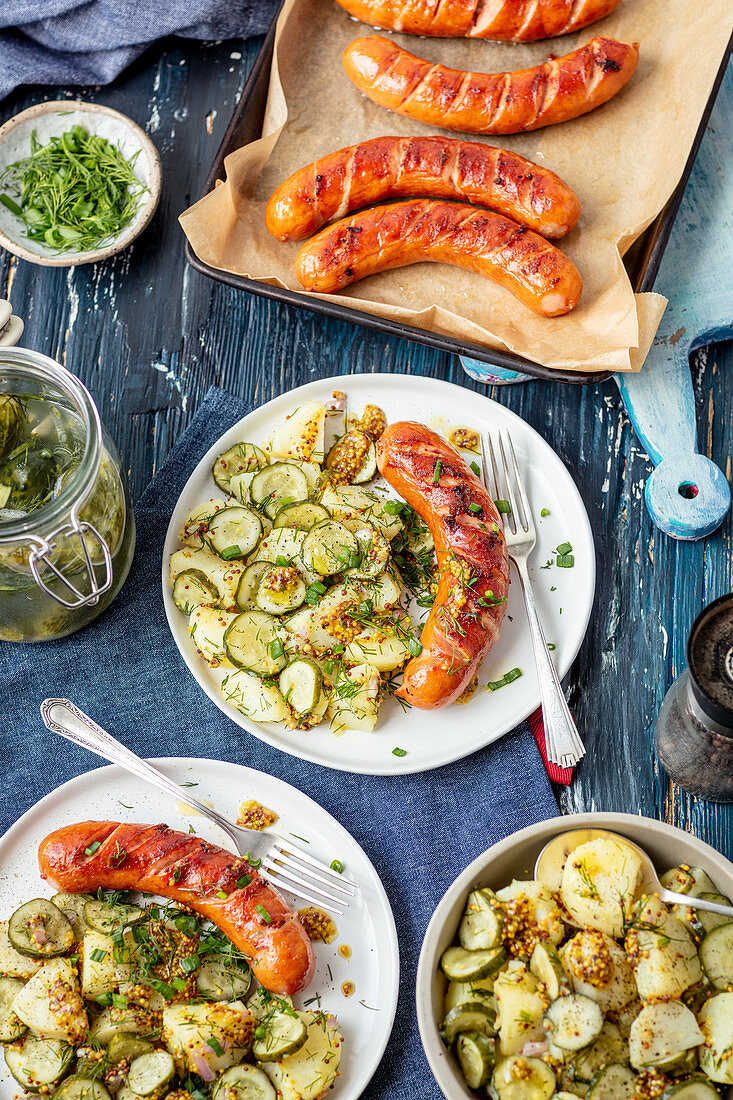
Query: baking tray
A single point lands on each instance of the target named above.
(641, 261)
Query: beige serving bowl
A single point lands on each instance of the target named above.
(515, 858)
(50, 120)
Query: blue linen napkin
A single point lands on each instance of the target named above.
(91, 41)
(420, 831)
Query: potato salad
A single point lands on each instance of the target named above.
(592, 990)
(296, 579)
(103, 998)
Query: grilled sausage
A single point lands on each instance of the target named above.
(472, 561)
(561, 89)
(159, 860)
(532, 269)
(501, 20)
(395, 167)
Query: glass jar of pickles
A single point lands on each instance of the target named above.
(67, 530)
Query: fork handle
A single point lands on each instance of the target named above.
(63, 717)
(562, 737)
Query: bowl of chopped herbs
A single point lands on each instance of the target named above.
(78, 183)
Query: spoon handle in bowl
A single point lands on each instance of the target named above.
(696, 903)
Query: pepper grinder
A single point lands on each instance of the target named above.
(694, 731)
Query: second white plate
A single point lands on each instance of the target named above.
(367, 927)
(565, 596)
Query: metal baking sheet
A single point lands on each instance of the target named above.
(641, 261)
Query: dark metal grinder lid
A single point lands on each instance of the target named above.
(710, 660)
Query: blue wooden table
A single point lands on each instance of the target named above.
(149, 336)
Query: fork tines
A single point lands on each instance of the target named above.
(283, 864)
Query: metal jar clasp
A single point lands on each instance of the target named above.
(40, 556)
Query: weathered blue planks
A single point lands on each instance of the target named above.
(149, 337)
(687, 495)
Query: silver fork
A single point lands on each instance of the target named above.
(285, 865)
(564, 746)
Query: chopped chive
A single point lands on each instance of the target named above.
(415, 646)
(119, 1001)
(179, 984)
(163, 988)
(398, 751)
(243, 881)
(12, 206)
(551, 645)
(354, 561)
(75, 192)
(513, 674)
(337, 866)
(252, 861)
(393, 507)
(92, 848)
(98, 955)
(230, 552)
(190, 963)
(328, 668)
(276, 648)
(280, 560)
(264, 914)
(436, 472)
(475, 468)
(222, 894)
(564, 548)
(474, 508)
(503, 506)
(545, 512)
(216, 1046)
(104, 999)
(565, 561)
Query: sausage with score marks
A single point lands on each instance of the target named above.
(155, 859)
(439, 167)
(561, 89)
(533, 270)
(472, 561)
(500, 20)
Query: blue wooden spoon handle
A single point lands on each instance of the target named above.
(687, 495)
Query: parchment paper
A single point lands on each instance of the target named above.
(624, 160)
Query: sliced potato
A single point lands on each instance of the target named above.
(301, 434)
(538, 900)
(520, 1006)
(354, 699)
(598, 968)
(196, 523)
(189, 1029)
(662, 952)
(224, 575)
(661, 1033)
(310, 1071)
(599, 884)
(51, 1004)
(207, 627)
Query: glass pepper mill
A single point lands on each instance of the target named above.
(694, 731)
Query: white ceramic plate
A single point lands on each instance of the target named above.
(50, 120)
(565, 596)
(367, 926)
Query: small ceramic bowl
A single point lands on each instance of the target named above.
(515, 858)
(50, 120)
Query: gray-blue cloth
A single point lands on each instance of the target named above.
(91, 41)
(124, 670)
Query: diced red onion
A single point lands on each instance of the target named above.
(535, 1049)
(203, 1068)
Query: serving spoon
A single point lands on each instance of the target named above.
(551, 860)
